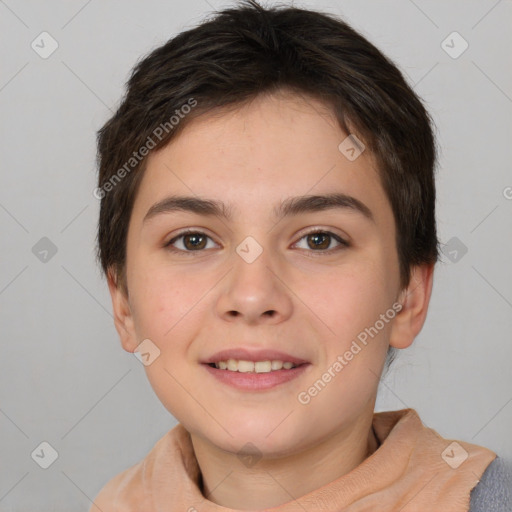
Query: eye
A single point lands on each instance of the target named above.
(320, 241)
(189, 241)
(195, 241)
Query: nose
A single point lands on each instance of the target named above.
(255, 293)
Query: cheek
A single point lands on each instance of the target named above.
(346, 379)
(348, 300)
(164, 309)
(162, 300)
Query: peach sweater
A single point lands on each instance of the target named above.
(413, 469)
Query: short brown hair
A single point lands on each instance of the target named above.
(247, 51)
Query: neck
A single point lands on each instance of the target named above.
(275, 481)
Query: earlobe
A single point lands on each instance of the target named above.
(123, 319)
(415, 300)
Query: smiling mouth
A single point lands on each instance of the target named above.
(256, 376)
(243, 366)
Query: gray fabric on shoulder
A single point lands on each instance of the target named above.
(493, 493)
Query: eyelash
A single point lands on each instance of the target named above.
(343, 244)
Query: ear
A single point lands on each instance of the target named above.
(415, 300)
(123, 319)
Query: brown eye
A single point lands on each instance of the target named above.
(319, 240)
(322, 242)
(189, 241)
(194, 241)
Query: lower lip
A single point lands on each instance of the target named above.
(252, 381)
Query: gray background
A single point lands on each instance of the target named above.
(64, 377)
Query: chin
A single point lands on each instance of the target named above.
(269, 440)
(257, 446)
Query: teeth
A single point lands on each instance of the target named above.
(276, 365)
(262, 366)
(242, 366)
(245, 366)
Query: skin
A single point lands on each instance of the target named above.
(253, 158)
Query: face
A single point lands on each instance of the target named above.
(263, 277)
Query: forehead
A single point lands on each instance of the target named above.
(253, 157)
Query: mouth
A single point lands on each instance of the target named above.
(254, 371)
(244, 366)
(226, 359)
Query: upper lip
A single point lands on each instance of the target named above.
(246, 354)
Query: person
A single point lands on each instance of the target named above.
(267, 229)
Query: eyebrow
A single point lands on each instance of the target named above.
(290, 206)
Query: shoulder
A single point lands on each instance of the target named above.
(104, 501)
(121, 493)
(493, 493)
(128, 491)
